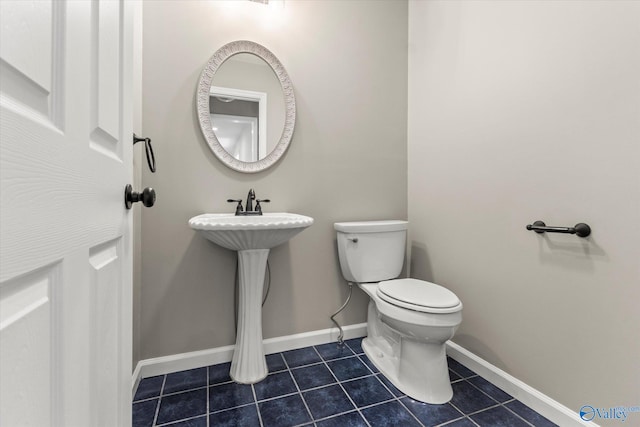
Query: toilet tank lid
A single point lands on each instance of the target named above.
(371, 226)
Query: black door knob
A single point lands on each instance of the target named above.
(147, 197)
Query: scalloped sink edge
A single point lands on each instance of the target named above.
(239, 233)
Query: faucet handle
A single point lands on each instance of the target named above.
(238, 206)
(258, 207)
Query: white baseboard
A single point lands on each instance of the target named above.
(531, 397)
(197, 359)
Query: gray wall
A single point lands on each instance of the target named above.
(347, 161)
(524, 111)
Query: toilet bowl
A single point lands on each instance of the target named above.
(408, 320)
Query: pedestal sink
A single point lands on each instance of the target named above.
(252, 237)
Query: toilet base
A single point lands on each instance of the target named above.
(421, 373)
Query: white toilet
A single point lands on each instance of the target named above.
(409, 320)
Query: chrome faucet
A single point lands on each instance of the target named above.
(249, 210)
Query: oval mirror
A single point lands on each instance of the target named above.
(246, 106)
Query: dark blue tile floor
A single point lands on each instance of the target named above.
(324, 386)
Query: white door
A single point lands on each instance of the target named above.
(65, 246)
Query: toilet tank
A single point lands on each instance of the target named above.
(371, 251)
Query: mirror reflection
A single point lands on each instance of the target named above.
(247, 107)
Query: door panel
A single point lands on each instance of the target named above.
(105, 265)
(27, 348)
(105, 79)
(65, 246)
(30, 35)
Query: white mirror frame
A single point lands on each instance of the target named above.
(202, 103)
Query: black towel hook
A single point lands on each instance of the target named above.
(581, 229)
(151, 159)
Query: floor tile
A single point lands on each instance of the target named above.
(463, 422)
(275, 362)
(469, 399)
(369, 363)
(459, 368)
(355, 345)
(244, 416)
(490, 389)
(229, 395)
(143, 413)
(389, 414)
(366, 391)
(275, 385)
(349, 368)
(334, 351)
(453, 376)
(284, 412)
(300, 357)
(193, 422)
(431, 415)
(351, 419)
(498, 417)
(326, 401)
(331, 379)
(219, 373)
(182, 405)
(313, 376)
(149, 387)
(529, 414)
(391, 387)
(185, 380)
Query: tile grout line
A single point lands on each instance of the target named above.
(296, 384)
(457, 409)
(340, 382)
(328, 417)
(483, 409)
(146, 400)
(517, 415)
(493, 407)
(255, 402)
(490, 397)
(325, 363)
(155, 416)
(173, 393)
(444, 424)
(487, 394)
(181, 420)
(396, 398)
(513, 399)
(219, 411)
(405, 407)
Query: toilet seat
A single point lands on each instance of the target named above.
(418, 295)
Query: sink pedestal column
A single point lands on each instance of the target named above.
(249, 364)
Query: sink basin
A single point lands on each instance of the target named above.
(250, 232)
(252, 237)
